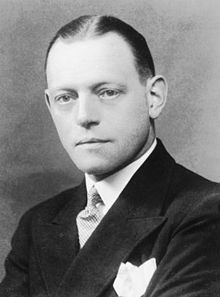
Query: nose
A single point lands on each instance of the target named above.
(87, 112)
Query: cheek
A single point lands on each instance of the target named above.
(132, 120)
(136, 128)
(64, 129)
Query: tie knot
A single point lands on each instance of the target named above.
(94, 197)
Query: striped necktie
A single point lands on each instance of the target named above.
(89, 218)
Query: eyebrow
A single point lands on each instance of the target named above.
(98, 85)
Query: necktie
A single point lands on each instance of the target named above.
(89, 218)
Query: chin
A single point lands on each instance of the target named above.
(92, 168)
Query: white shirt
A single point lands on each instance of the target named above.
(111, 187)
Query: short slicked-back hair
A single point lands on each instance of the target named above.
(89, 26)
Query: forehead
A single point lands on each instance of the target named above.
(108, 56)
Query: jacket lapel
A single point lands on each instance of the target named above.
(57, 240)
(136, 214)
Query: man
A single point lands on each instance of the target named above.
(158, 218)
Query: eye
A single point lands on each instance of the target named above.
(65, 98)
(109, 94)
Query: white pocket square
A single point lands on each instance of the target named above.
(131, 280)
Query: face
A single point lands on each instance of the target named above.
(98, 104)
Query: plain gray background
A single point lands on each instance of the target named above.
(184, 37)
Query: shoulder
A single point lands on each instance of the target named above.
(188, 183)
(48, 209)
(191, 196)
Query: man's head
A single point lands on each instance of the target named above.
(102, 93)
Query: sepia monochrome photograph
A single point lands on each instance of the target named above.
(110, 148)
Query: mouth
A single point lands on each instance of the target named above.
(91, 141)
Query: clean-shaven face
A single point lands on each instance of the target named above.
(98, 104)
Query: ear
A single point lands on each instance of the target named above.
(47, 99)
(157, 95)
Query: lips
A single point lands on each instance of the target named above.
(91, 141)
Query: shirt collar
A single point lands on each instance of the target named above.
(111, 187)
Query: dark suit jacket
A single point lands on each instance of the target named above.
(166, 212)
